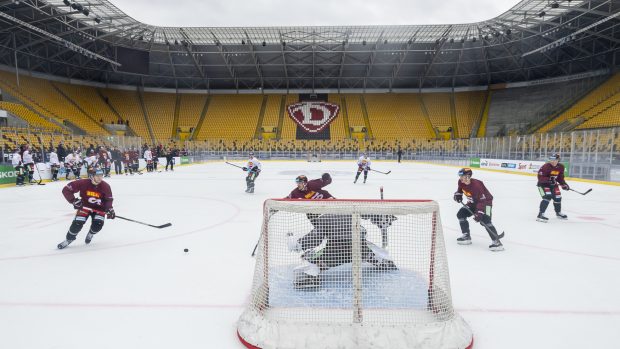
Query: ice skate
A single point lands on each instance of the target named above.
(561, 215)
(496, 246)
(541, 218)
(64, 244)
(465, 239)
(89, 237)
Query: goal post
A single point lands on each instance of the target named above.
(323, 279)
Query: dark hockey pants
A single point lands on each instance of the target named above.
(548, 194)
(485, 221)
(97, 220)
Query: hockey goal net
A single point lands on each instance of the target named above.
(352, 274)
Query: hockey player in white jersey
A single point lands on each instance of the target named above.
(363, 165)
(253, 169)
(54, 164)
(28, 163)
(148, 157)
(18, 165)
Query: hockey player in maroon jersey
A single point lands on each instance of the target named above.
(127, 162)
(479, 204)
(94, 201)
(550, 180)
(304, 191)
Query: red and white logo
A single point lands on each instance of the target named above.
(313, 116)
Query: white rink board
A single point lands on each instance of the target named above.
(555, 286)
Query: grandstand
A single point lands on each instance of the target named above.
(414, 86)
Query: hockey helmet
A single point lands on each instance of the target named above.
(251, 154)
(554, 157)
(301, 179)
(465, 172)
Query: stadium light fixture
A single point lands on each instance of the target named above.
(86, 12)
(67, 2)
(542, 14)
(555, 5)
(97, 20)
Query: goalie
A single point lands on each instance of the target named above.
(329, 244)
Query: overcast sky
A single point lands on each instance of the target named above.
(222, 13)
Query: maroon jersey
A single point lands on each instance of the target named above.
(96, 197)
(309, 194)
(126, 157)
(549, 174)
(316, 184)
(476, 193)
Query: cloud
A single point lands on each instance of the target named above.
(196, 13)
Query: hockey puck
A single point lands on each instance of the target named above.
(185, 250)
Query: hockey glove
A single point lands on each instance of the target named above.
(110, 214)
(552, 181)
(565, 186)
(478, 216)
(77, 204)
(458, 197)
(244, 168)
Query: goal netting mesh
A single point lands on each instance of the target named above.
(352, 274)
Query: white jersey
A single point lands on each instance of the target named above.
(54, 158)
(254, 164)
(148, 155)
(363, 162)
(27, 157)
(70, 159)
(91, 160)
(77, 158)
(17, 160)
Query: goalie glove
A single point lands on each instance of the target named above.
(77, 203)
(458, 197)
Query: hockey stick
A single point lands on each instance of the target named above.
(481, 222)
(150, 225)
(578, 192)
(385, 173)
(40, 178)
(241, 167)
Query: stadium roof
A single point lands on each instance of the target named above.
(94, 40)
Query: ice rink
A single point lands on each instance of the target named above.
(556, 285)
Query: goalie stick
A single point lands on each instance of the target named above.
(385, 173)
(481, 222)
(578, 192)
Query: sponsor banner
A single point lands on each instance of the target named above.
(474, 162)
(512, 165)
(184, 160)
(313, 117)
(7, 174)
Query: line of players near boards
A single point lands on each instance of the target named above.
(332, 232)
(101, 158)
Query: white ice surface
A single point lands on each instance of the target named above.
(557, 285)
